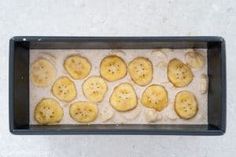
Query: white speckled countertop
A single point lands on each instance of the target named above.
(118, 18)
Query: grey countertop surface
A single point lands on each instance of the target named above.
(118, 18)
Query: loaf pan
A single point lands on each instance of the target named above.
(19, 83)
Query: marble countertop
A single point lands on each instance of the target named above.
(118, 18)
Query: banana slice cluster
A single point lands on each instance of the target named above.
(179, 74)
(123, 97)
(113, 68)
(141, 71)
(42, 72)
(48, 111)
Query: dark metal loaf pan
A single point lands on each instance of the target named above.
(19, 83)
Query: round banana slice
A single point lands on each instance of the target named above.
(113, 68)
(151, 115)
(179, 74)
(155, 96)
(83, 111)
(78, 67)
(106, 113)
(123, 97)
(186, 105)
(42, 73)
(194, 59)
(130, 115)
(48, 111)
(64, 89)
(141, 71)
(95, 88)
(203, 84)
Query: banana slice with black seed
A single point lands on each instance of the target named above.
(194, 59)
(123, 97)
(179, 74)
(78, 67)
(141, 71)
(42, 73)
(48, 111)
(95, 88)
(186, 105)
(83, 111)
(155, 96)
(113, 68)
(64, 89)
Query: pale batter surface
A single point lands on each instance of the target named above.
(95, 56)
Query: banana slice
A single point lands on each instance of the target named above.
(194, 59)
(64, 89)
(186, 105)
(51, 57)
(141, 71)
(48, 111)
(106, 113)
(123, 97)
(130, 115)
(78, 67)
(155, 96)
(42, 73)
(151, 115)
(113, 68)
(83, 111)
(179, 74)
(95, 88)
(118, 52)
(162, 65)
(160, 54)
(204, 84)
